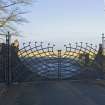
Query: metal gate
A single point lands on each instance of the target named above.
(58, 64)
(75, 61)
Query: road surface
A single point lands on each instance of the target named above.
(54, 93)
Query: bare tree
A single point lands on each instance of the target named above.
(11, 13)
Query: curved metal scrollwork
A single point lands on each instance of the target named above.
(79, 52)
(52, 64)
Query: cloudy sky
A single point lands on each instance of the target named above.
(63, 21)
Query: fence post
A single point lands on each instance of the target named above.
(59, 64)
(8, 59)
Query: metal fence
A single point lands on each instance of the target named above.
(36, 60)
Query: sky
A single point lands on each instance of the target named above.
(64, 21)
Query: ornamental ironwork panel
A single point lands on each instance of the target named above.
(49, 63)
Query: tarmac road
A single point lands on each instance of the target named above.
(54, 93)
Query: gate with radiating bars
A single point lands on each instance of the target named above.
(58, 64)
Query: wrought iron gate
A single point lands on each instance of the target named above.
(48, 63)
(57, 64)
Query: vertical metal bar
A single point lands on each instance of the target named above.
(4, 60)
(8, 61)
(59, 64)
